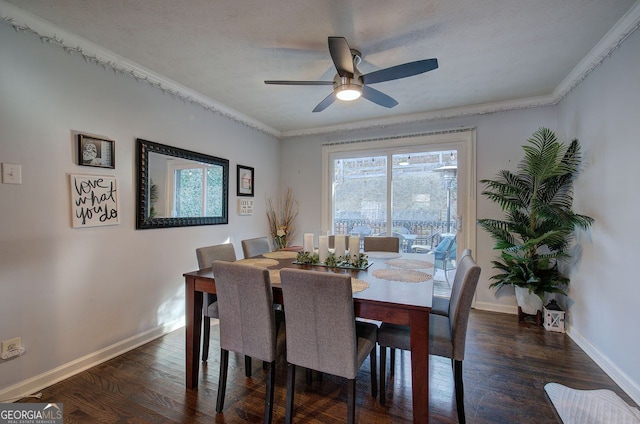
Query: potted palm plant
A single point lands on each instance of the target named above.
(539, 223)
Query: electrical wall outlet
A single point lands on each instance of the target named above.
(11, 344)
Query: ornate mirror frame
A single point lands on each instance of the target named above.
(143, 203)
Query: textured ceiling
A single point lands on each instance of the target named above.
(488, 50)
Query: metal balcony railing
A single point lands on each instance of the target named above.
(426, 234)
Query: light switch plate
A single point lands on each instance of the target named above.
(11, 173)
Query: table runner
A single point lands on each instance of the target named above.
(357, 285)
(281, 254)
(261, 262)
(409, 263)
(404, 275)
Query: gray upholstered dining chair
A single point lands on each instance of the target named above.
(322, 332)
(206, 256)
(381, 244)
(255, 246)
(440, 305)
(447, 334)
(247, 322)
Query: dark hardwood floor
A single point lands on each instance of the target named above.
(506, 367)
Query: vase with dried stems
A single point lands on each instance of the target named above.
(281, 217)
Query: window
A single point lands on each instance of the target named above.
(195, 190)
(417, 188)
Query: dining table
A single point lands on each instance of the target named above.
(394, 287)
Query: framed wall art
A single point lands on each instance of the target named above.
(245, 181)
(96, 152)
(94, 200)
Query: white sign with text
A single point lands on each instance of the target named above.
(245, 206)
(94, 200)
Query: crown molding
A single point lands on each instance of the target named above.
(23, 21)
(613, 39)
(457, 112)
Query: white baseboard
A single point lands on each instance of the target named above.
(495, 307)
(46, 379)
(621, 379)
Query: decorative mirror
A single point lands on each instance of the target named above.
(178, 188)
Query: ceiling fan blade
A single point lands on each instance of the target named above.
(378, 97)
(341, 56)
(278, 82)
(401, 71)
(325, 103)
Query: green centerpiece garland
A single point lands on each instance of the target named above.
(346, 261)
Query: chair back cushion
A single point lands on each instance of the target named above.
(206, 256)
(321, 326)
(255, 247)
(218, 252)
(245, 304)
(381, 244)
(440, 305)
(462, 292)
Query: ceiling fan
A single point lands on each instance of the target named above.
(349, 84)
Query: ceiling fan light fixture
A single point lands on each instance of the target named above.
(350, 84)
(348, 92)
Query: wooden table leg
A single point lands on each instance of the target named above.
(193, 316)
(420, 365)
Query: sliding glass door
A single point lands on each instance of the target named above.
(411, 195)
(359, 195)
(420, 192)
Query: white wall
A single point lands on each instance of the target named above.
(603, 112)
(74, 292)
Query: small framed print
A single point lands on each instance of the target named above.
(96, 152)
(245, 181)
(245, 206)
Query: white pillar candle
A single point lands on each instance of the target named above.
(323, 248)
(307, 245)
(354, 247)
(340, 244)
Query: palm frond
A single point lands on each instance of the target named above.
(539, 223)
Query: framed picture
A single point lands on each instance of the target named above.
(245, 181)
(94, 200)
(96, 152)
